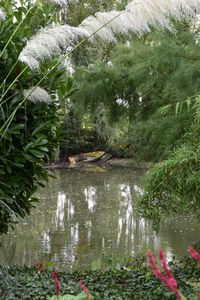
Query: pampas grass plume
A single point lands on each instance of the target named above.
(138, 17)
(38, 94)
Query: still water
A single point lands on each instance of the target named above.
(85, 213)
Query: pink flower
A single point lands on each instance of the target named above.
(167, 279)
(54, 275)
(164, 264)
(194, 254)
(83, 287)
(198, 296)
(156, 271)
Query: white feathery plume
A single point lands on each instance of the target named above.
(138, 17)
(2, 15)
(64, 2)
(49, 42)
(37, 94)
(114, 27)
(92, 24)
(60, 2)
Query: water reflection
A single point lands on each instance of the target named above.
(60, 212)
(125, 215)
(82, 215)
(46, 243)
(90, 196)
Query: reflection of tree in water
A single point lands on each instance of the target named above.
(108, 219)
(82, 214)
(95, 208)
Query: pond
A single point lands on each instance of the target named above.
(86, 215)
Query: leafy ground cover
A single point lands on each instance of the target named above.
(137, 282)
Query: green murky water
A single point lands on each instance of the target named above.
(84, 213)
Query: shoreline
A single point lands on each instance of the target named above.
(113, 162)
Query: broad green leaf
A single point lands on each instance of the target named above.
(37, 153)
(29, 157)
(38, 128)
(81, 296)
(44, 149)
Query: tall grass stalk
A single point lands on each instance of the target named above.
(4, 81)
(14, 32)
(9, 209)
(8, 252)
(12, 83)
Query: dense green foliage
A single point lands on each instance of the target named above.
(138, 282)
(77, 135)
(173, 184)
(29, 130)
(137, 79)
